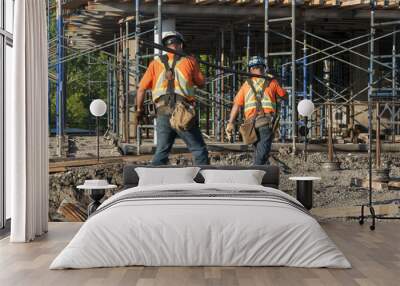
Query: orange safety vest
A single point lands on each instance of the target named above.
(182, 85)
(250, 99)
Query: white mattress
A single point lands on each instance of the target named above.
(206, 231)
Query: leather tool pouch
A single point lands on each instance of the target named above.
(183, 116)
(248, 131)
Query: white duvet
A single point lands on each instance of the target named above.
(200, 231)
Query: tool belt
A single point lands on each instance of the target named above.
(265, 119)
(182, 113)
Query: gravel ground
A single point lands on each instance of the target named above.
(333, 190)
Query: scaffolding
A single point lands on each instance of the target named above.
(310, 61)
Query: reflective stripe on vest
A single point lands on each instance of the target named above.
(250, 100)
(182, 86)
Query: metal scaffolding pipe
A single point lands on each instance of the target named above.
(345, 49)
(378, 138)
(159, 24)
(248, 44)
(222, 83)
(127, 86)
(293, 44)
(387, 23)
(394, 85)
(305, 74)
(370, 90)
(266, 31)
(60, 83)
(137, 52)
(190, 10)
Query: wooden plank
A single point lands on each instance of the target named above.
(72, 212)
(325, 3)
(346, 3)
(388, 3)
(289, 2)
(84, 162)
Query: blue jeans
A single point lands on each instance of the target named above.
(263, 145)
(166, 138)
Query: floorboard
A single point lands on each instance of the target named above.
(375, 257)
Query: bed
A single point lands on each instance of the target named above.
(201, 224)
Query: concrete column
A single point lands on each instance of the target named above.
(167, 25)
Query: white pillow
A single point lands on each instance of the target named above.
(166, 176)
(247, 177)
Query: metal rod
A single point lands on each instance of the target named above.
(280, 54)
(159, 23)
(248, 44)
(48, 81)
(343, 47)
(370, 86)
(353, 47)
(109, 93)
(60, 80)
(305, 79)
(222, 83)
(293, 26)
(389, 23)
(100, 47)
(305, 137)
(98, 138)
(137, 50)
(378, 138)
(394, 85)
(314, 48)
(219, 99)
(207, 106)
(232, 56)
(279, 19)
(330, 133)
(266, 31)
(149, 20)
(333, 46)
(127, 87)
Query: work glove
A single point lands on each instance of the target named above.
(230, 127)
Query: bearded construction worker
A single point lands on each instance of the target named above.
(172, 78)
(259, 97)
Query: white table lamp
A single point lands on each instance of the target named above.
(98, 108)
(305, 108)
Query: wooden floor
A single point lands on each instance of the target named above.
(375, 257)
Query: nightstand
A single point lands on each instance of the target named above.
(97, 189)
(304, 190)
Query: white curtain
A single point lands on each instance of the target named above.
(27, 124)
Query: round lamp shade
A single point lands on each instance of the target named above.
(98, 107)
(305, 107)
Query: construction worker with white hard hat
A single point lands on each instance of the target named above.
(172, 78)
(258, 96)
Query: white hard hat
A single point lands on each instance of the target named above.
(171, 37)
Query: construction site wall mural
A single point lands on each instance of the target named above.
(314, 91)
